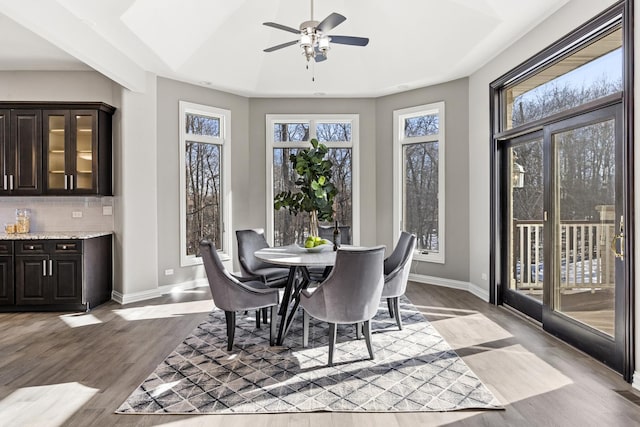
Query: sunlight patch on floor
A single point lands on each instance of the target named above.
(528, 374)
(162, 311)
(470, 330)
(48, 405)
(76, 320)
(435, 310)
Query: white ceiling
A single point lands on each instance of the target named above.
(219, 43)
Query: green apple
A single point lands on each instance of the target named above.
(310, 242)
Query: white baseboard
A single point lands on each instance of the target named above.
(132, 297)
(474, 289)
(154, 293)
(636, 380)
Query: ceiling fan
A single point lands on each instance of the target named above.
(313, 37)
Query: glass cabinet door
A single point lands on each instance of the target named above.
(57, 125)
(84, 151)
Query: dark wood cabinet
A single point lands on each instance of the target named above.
(56, 148)
(21, 151)
(61, 274)
(77, 158)
(6, 273)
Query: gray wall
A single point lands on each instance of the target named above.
(169, 93)
(455, 96)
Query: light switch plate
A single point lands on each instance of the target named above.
(107, 210)
(76, 214)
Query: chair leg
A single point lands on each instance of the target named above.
(264, 315)
(231, 328)
(272, 326)
(396, 308)
(258, 318)
(390, 306)
(367, 337)
(333, 329)
(357, 325)
(305, 328)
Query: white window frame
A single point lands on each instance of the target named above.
(312, 120)
(399, 141)
(223, 140)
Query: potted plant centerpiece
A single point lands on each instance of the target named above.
(315, 191)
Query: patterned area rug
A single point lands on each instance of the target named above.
(414, 370)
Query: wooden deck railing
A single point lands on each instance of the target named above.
(585, 258)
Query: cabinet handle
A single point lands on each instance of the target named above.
(4, 186)
(50, 267)
(30, 247)
(66, 180)
(10, 182)
(44, 267)
(71, 180)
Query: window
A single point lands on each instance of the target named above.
(419, 178)
(286, 134)
(204, 180)
(592, 72)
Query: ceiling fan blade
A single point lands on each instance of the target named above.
(281, 27)
(280, 46)
(353, 41)
(330, 22)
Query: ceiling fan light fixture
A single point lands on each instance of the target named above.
(323, 43)
(305, 41)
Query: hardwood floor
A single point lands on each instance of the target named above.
(76, 369)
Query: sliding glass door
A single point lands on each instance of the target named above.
(564, 230)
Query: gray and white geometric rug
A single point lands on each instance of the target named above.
(414, 370)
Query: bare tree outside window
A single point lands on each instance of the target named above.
(421, 193)
(203, 184)
(419, 170)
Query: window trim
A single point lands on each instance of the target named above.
(399, 141)
(223, 140)
(313, 119)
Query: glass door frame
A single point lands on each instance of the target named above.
(625, 10)
(517, 300)
(607, 349)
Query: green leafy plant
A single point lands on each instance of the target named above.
(315, 191)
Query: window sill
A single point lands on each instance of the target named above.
(435, 258)
(192, 260)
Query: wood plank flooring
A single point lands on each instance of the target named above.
(76, 369)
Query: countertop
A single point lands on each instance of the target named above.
(54, 235)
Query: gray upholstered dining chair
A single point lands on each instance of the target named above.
(249, 241)
(349, 295)
(396, 273)
(231, 294)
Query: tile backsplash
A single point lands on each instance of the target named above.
(61, 213)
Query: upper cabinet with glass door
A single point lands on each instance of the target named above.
(77, 152)
(55, 148)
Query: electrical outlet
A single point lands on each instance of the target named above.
(107, 210)
(484, 276)
(168, 272)
(76, 214)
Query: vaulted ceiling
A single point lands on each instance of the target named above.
(219, 43)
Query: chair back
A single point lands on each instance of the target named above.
(353, 289)
(250, 241)
(399, 254)
(220, 282)
(396, 278)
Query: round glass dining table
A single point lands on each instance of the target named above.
(298, 260)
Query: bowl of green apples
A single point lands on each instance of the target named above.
(316, 244)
